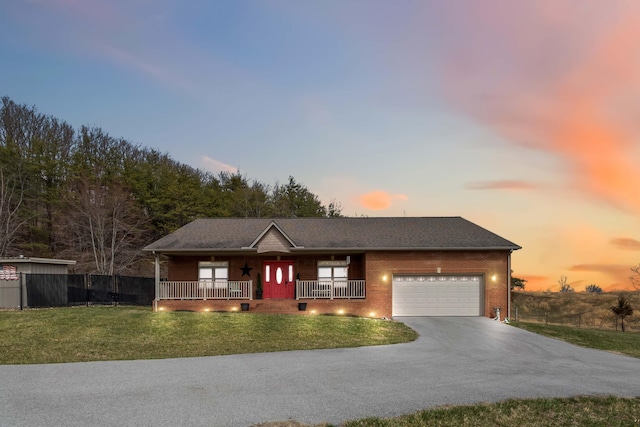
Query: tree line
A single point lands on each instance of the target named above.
(82, 194)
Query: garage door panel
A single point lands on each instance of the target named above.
(424, 295)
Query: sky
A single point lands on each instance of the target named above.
(520, 116)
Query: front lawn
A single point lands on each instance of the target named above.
(81, 334)
(577, 411)
(614, 341)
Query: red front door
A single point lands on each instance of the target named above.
(278, 279)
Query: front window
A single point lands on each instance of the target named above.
(213, 275)
(337, 274)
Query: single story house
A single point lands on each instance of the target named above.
(378, 267)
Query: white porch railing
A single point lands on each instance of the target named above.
(206, 289)
(330, 289)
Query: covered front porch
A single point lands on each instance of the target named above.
(223, 282)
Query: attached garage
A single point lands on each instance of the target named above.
(437, 295)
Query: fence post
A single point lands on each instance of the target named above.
(87, 288)
(20, 282)
(579, 320)
(115, 290)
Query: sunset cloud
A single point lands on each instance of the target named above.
(213, 165)
(618, 274)
(559, 79)
(501, 185)
(379, 200)
(625, 243)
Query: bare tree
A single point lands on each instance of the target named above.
(635, 277)
(564, 285)
(11, 198)
(105, 228)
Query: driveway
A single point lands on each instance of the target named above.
(455, 361)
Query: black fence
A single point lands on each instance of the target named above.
(58, 290)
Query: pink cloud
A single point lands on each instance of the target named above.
(379, 200)
(214, 165)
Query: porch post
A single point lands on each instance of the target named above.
(509, 285)
(157, 281)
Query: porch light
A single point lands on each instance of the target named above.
(494, 278)
(384, 278)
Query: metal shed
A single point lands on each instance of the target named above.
(12, 271)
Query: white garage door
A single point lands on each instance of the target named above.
(424, 295)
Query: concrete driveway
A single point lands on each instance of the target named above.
(455, 361)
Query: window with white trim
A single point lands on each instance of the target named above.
(213, 275)
(336, 273)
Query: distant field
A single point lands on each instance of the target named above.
(602, 339)
(579, 309)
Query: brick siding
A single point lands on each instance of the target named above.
(377, 268)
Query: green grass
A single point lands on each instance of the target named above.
(617, 342)
(580, 411)
(82, 334)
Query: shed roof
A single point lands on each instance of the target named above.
(33, 260)
(309, 234)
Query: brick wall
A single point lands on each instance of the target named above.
(377, 266)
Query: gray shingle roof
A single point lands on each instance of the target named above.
(401, 233)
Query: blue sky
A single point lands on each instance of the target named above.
(520, 116)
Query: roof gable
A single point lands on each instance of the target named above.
(273, 240)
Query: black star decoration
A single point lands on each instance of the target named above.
(246, 270)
